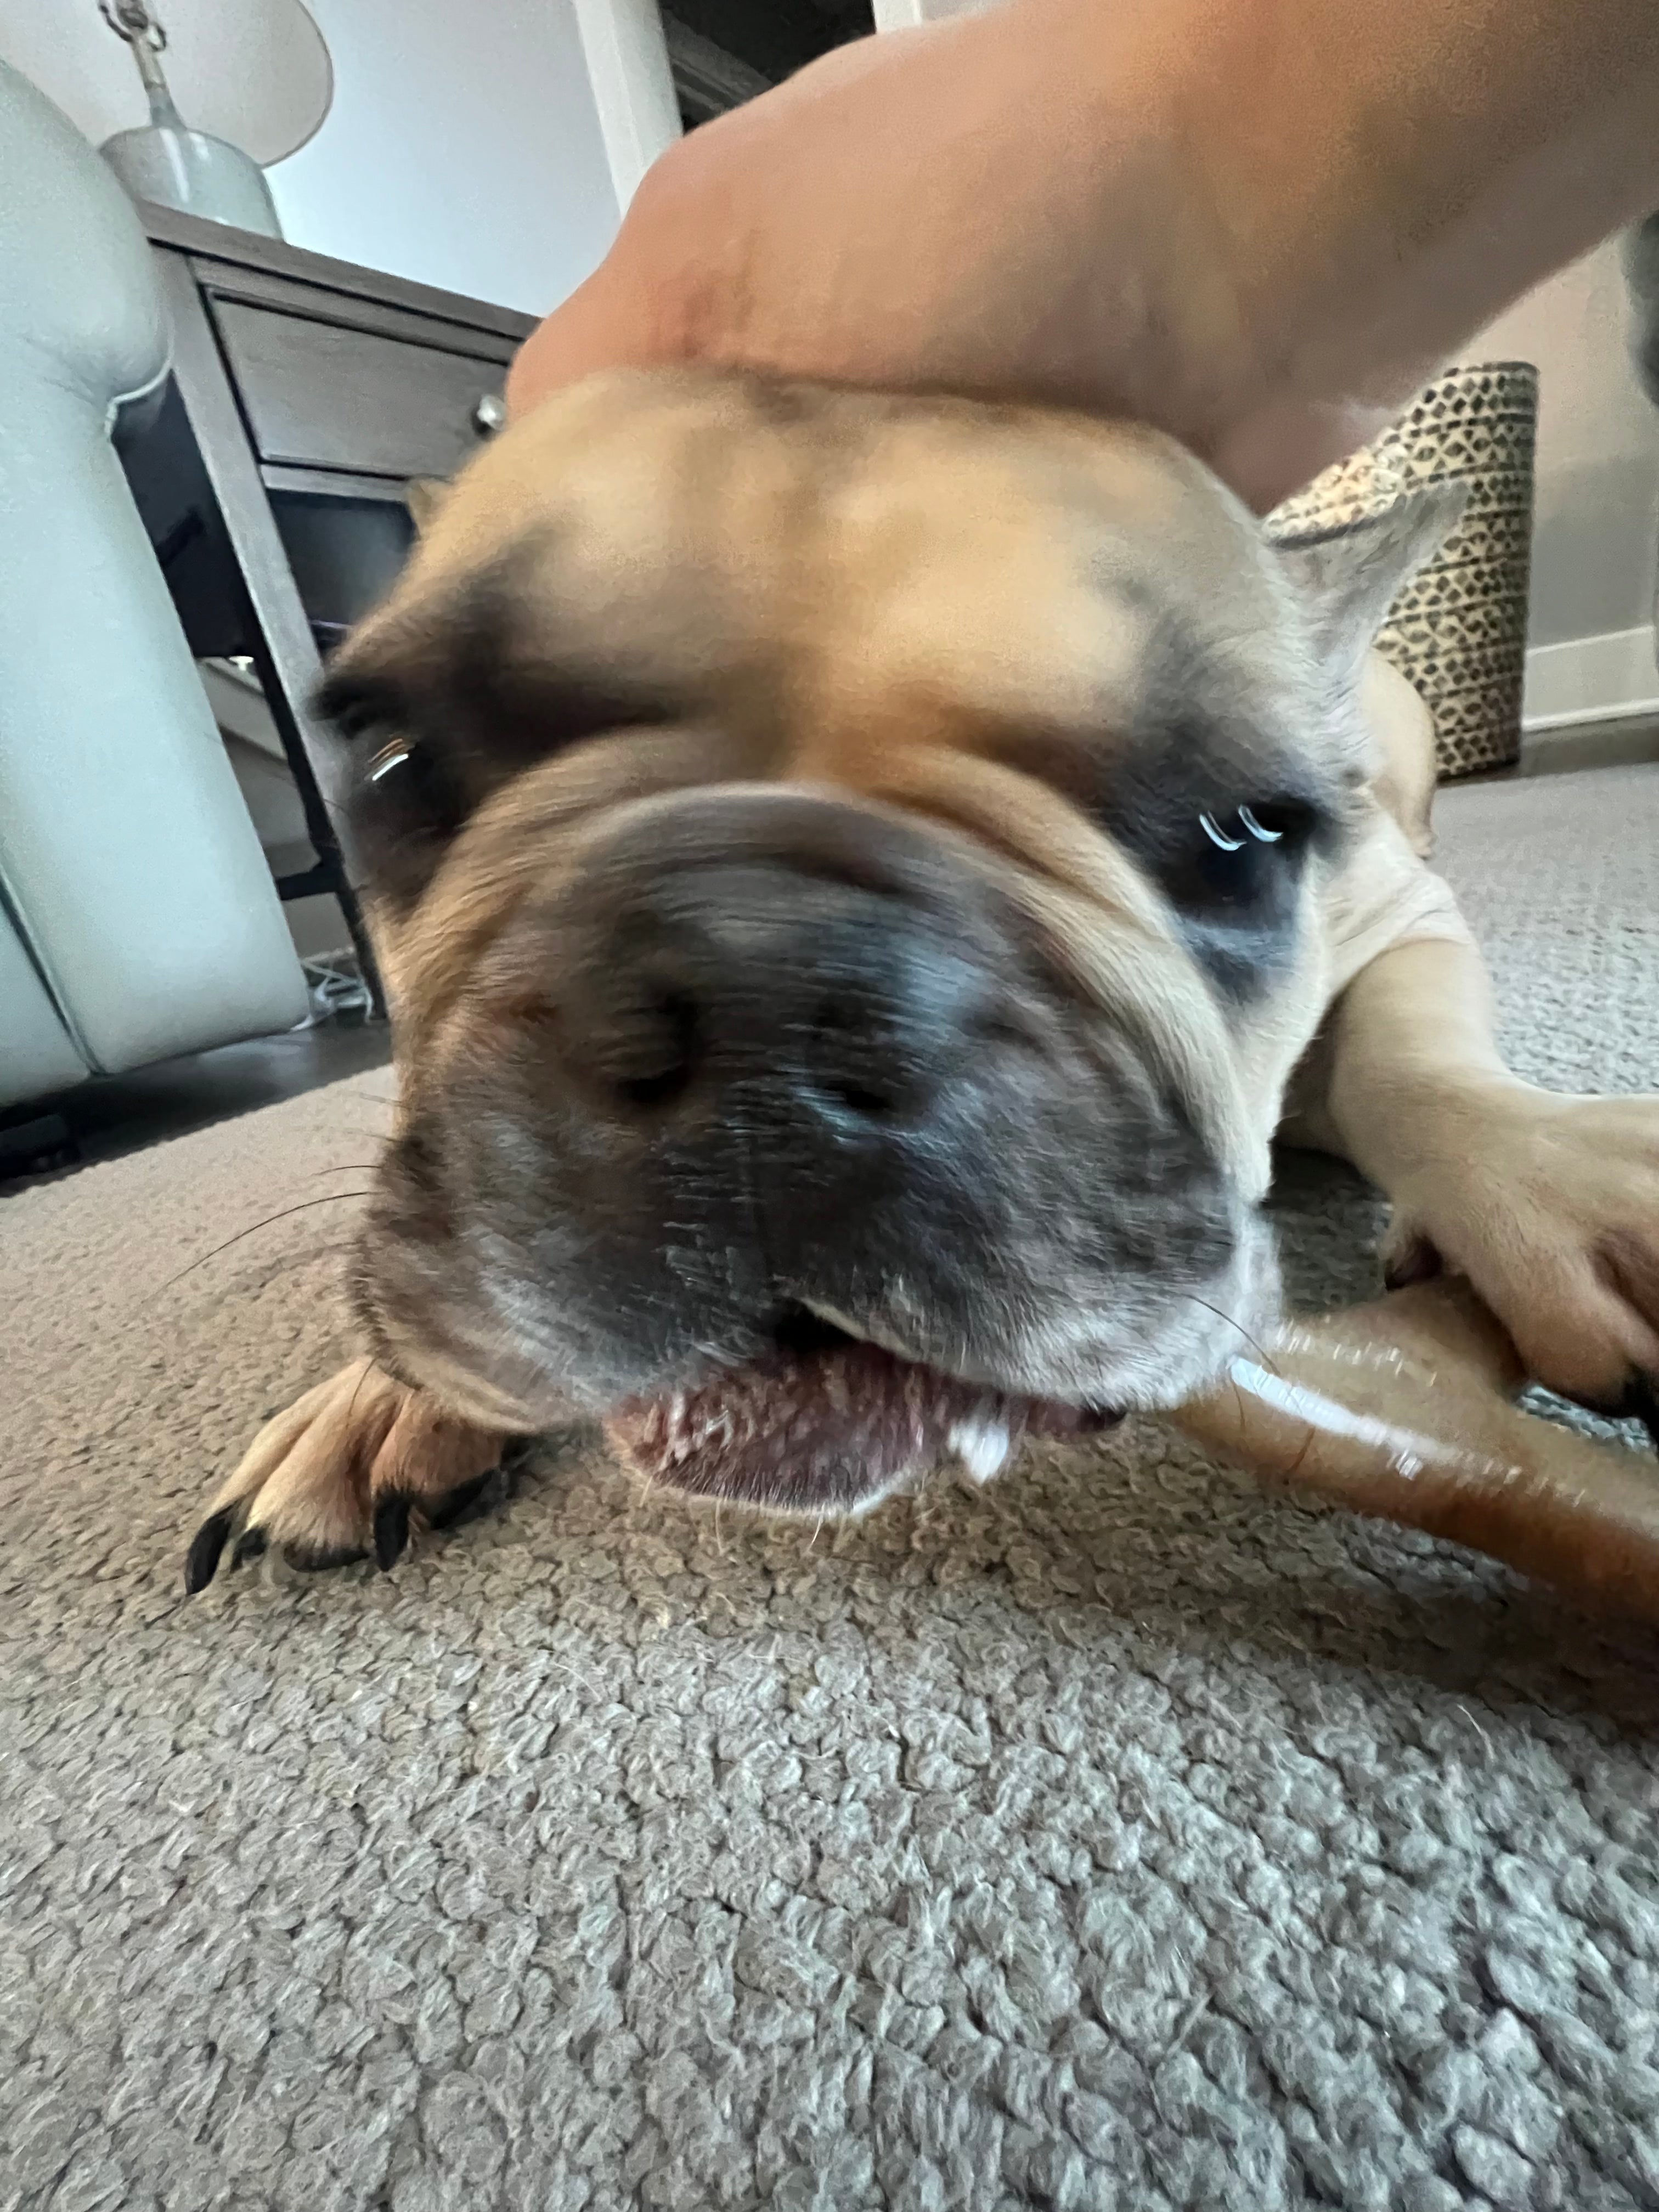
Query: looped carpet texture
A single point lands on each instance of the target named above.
(1113, 1837)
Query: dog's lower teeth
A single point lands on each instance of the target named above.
(981, 1444)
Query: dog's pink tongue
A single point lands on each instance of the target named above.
(824, 1431)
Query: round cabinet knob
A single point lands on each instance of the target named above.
(490, 414)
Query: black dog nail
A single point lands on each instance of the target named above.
(456, 1504)
(205, 1545)
(390, 1529)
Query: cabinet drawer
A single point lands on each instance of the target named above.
(319, 396)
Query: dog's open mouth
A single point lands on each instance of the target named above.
(830, 1423)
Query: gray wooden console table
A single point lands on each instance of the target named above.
(271, 474)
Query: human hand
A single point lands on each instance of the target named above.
(954, 209)
(1259, 225)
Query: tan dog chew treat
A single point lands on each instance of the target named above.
(830, 1430)
(1401, 1409)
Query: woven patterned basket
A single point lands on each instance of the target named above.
(1459, 631)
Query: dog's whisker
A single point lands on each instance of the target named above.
(295, 1260)
(370, 1365)
(132, 1310)
(1254, 1343)
(332, 1198)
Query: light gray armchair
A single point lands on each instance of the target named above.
(137, 915)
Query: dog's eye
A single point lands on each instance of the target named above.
(389, 760)
(1240, 862)
(406, 786)
(1232, 863)
(1268, 822)
(406, 804)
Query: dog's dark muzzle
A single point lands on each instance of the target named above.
(758, 1051)
(815, 962)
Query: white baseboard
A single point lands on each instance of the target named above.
(1591, 679)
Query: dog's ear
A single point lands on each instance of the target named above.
(423, 496)
(1351, 575)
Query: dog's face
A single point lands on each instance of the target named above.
(842, 864)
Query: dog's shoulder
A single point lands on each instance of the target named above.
(1384, 892)
(1402, 744)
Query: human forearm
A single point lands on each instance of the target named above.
(1389, 175)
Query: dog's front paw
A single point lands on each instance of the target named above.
(1550, 1207)
(343, 1471)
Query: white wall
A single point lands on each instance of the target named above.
(462, 148)
(1597, 510)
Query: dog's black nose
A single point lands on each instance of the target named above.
(817, 995)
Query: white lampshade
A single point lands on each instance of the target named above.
(256, 73)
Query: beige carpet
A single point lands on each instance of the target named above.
(1114, 1838)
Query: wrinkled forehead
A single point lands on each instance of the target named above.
(672, 534)
(1064, 641)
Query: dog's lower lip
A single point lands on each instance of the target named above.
(830, 1421)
